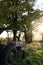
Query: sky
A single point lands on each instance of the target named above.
(38, 4)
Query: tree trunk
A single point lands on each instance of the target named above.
(25, 36)
(14, 32)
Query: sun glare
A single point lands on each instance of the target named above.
(3, 35)
(36, 36)
(40, 28)
(38, 31)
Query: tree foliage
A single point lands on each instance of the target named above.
(17, 13)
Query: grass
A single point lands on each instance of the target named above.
(32, 58)
(34, 55)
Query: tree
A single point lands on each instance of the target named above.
(18, 14)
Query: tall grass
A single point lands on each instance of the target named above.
(32, 58)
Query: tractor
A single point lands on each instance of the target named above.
(9, 51)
